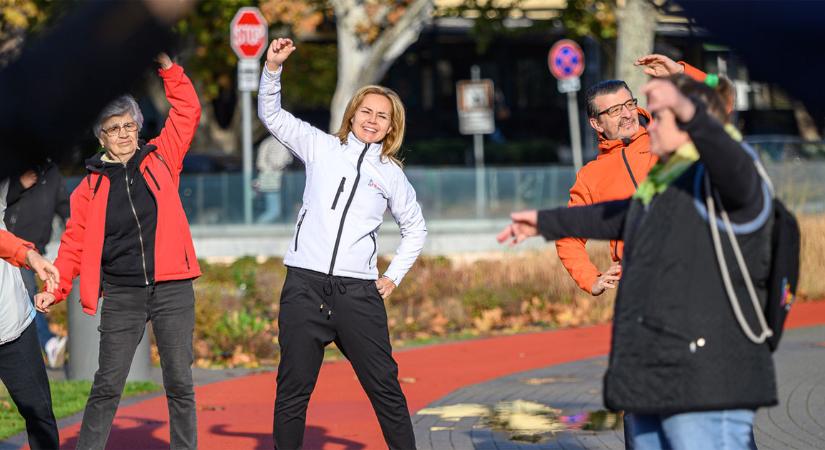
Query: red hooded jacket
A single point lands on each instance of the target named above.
(81, 246)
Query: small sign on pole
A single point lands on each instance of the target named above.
(566, 62)
(474, 99)
(249, 74)
(248, 33)
(569, 85)
(475, 106)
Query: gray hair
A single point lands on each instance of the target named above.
(121, 105)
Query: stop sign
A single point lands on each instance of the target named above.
(248, 33)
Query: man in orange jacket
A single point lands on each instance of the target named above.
(623, 162)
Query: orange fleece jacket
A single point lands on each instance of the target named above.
(604, 179)
(13, 249)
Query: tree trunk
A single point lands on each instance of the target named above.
(636, 32)
(360, 63)
(351, 60)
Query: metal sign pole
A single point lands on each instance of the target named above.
(246, 131)
(249, 71)
(247, 36)
(566, 62)
(575, 132)
(478, 153)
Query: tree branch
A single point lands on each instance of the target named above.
(393, 41)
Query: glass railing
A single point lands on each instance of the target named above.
(450, 193)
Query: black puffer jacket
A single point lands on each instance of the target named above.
(30, 211)
(677, 346)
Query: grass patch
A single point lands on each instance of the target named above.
(68, 397)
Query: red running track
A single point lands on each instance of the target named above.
(237, 414)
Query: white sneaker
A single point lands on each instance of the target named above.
(56, 351)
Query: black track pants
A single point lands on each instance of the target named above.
(316, 310)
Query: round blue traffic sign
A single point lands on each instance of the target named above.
(565, 59)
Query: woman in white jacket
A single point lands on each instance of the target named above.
(332, 291)
(21, 366)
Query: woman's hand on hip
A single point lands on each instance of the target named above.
(385, 287)
(278, 51)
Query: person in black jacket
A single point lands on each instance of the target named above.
(33, 200)
(679, 360)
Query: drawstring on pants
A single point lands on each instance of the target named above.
(333, 283)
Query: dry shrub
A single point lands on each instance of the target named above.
(812, 258)
(236, 306)
(504, 291)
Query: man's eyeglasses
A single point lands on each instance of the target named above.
(615, 110)
(115, 130)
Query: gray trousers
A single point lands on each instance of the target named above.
(170, 306)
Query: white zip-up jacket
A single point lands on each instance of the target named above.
(348, 188)
(16, 310)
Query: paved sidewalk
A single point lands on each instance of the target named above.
(236, 414)
(575, 388)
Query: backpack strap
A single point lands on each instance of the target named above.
(766, 332)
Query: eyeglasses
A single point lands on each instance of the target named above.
(115, 129)
(615, 110)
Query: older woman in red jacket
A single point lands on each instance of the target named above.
(128, 238)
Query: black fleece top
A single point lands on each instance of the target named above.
(131, 221)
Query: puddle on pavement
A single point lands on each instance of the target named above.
(549, 380)
(525, 421)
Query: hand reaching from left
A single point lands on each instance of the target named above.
(43, 301)
(525, 225)
(47, 272)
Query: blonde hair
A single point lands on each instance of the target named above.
(392, 141)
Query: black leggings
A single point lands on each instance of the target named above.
(316, 310)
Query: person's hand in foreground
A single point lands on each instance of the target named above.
(524, 226)
(608, 280)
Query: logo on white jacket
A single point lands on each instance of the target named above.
(376, 186)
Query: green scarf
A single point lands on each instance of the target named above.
(663, 173)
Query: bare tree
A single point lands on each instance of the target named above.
(371, 35)
(636, 29)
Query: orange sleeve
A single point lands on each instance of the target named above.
(572, 251)
(693, 72)
(13, 249)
